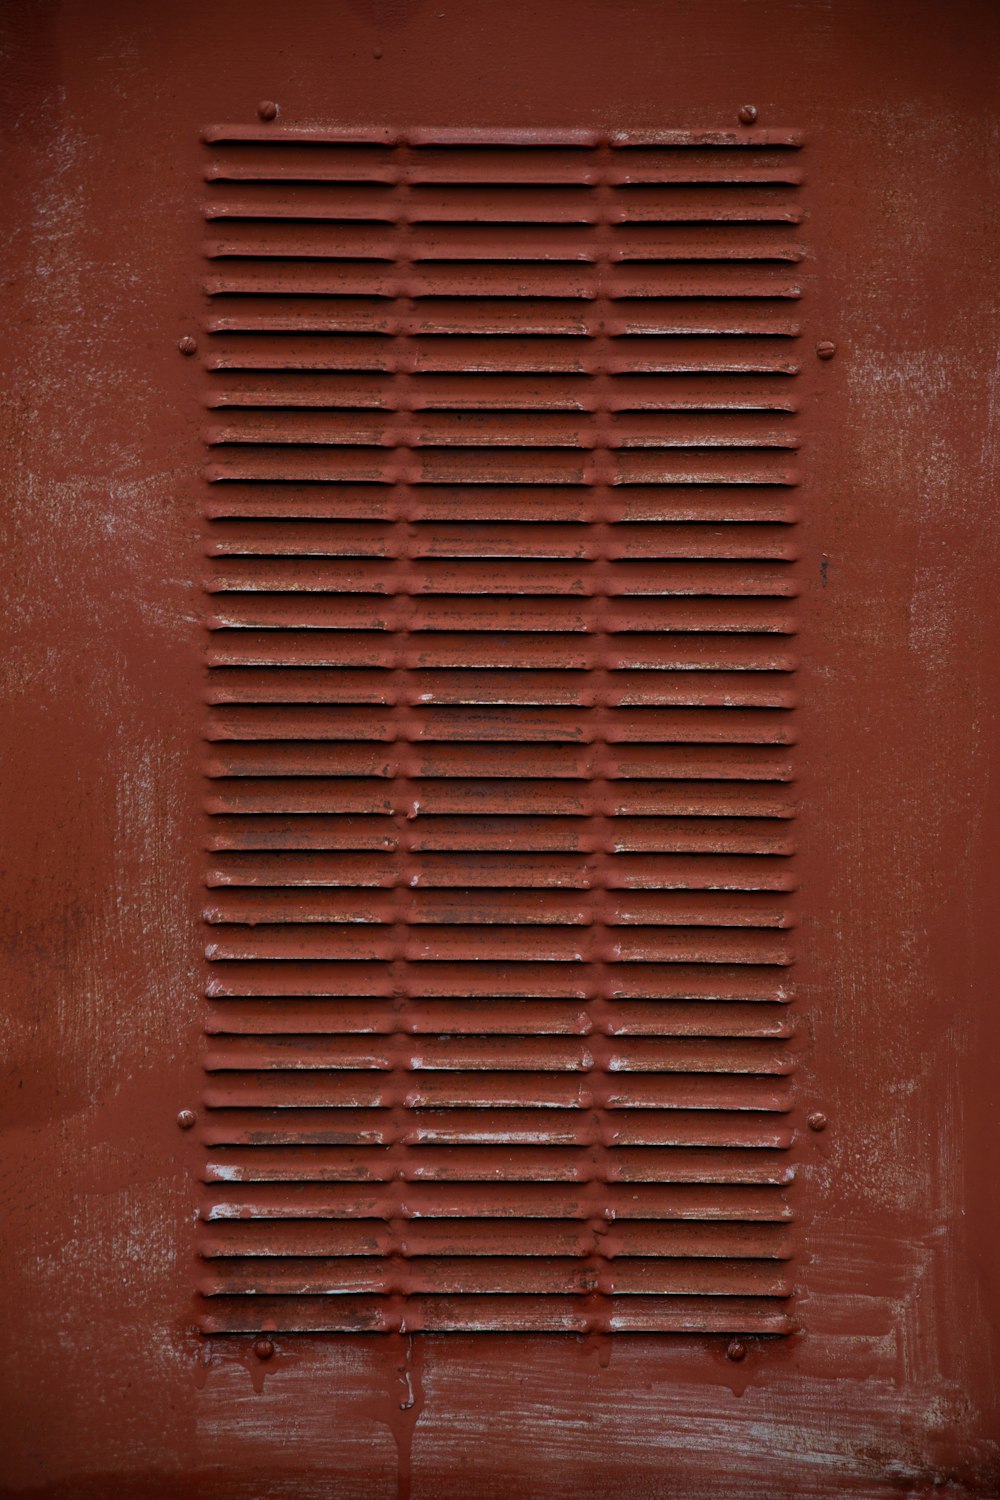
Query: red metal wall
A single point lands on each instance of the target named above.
(889, 1385)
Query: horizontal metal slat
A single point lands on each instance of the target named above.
(498, 1016)
(641, 656)
(526, 612)
(529, 687)
(637, 354)
(494, 466)
(485, 796)
(685, 202)
(537, 871)
(497, 1314)
(515, 833)
(500, 1052)
(473, 1165)
(709, 945)
(273, 159)
(263, 276)
(621, 578)
(475, 979)
(499, 724)
(477, 539)
(378, 1126)
(456, 1275)
(466, 761)
(378, 501)
(463, 429)
(492, 906)
(488, 316)
(257, 723)
(303, 1089)
(529, 138)
(650, 1202)
(321, 1238)
(289, 867)
(506, 244)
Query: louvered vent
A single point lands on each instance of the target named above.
(502, 537)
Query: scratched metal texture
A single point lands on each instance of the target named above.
(500, 503)
(887, 1385)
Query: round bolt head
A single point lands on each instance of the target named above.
(736, 1349)
(817, 1121)
(748, 114)
(186, 1119)
(187, 345)
(267, 109)
(825, 349)
(263, 1348)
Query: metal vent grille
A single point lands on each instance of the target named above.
(502, 537)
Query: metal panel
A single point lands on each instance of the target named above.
(501, 781)
(886, 1386)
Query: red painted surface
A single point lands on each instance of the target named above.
(889, 1385)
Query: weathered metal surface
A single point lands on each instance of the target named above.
(869, 475)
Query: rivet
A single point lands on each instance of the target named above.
(263, 1348)
(817, 1121)
(187, 345)
(186, 1119)
(825, 350)
(377, 53)
(267, 109)
(736, 1349)
(748, 113)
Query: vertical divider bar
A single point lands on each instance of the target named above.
(599, 475)
(404, 800)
